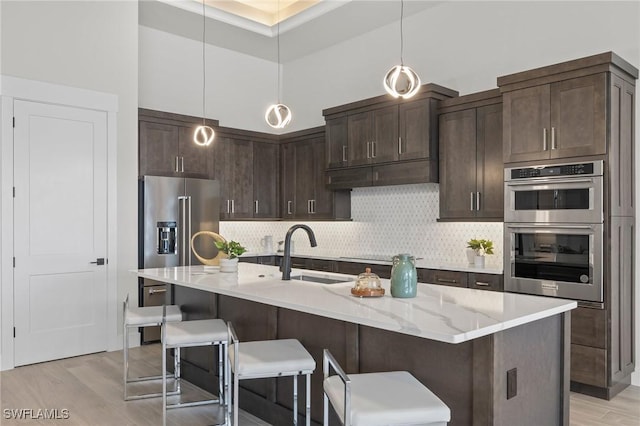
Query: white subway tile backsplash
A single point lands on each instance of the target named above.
(386, 220)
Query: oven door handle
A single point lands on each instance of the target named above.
(549, 182)
(549, 226)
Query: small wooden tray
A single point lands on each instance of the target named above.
(368, 292)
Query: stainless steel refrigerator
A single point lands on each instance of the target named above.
(171, 210)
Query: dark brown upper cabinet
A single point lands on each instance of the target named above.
(471, 168)
(304, 194)
(248, 171)
(369, 141)
(559, 111)
(166, 146)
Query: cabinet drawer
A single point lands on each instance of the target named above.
(349, 178)
(450, 278)
(356, 268)
(589, 327)
(405, 173)
(589, 365)
(491, 282)
(320, 265)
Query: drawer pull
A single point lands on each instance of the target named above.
(481, 284)
(446, 280)
(155, 291)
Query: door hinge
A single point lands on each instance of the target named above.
(14, 122)
(14, 192)
(14, 262)
(14, 332)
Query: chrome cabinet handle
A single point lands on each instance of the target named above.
(308, 206)
(482, 284)
(156, 291)
(478, 201)
(182, 164)
(368, 150)
(344, 153)
(471, 203)
(255, 206)
(446, 280)
(176, 168)
(553, 138)
(228, 206)
(544, 138)
(373, 149)
(289, 207)
(400, 145)
(233, 206)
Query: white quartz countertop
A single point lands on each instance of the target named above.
(379, 260)
(442, 313)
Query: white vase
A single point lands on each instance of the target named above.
(478, 261)
(229, 265)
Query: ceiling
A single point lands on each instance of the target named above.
(312, 26)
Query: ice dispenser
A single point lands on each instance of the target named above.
(167, 237)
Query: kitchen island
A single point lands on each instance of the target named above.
(493, 358)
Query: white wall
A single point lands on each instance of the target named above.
(239, 87)
(90, 45)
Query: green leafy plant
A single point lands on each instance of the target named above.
(232, 249)
(481, 247)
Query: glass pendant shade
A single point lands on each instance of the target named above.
(203, 135)
(278, 116)
(401, 82)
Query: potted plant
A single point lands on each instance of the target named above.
(232, 249)
(481, 247)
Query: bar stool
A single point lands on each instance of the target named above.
(371, 399)
(146, 316)
(177, 335)
(270, 358)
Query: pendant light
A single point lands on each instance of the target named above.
(401, 81)
(278, 115)
(203, 135)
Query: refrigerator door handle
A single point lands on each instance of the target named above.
(184, 230)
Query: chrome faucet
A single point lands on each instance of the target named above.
(285, 266)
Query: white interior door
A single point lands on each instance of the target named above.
(60, 177)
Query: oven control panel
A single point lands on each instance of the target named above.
(556, 170)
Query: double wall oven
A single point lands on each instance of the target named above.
(553, 235)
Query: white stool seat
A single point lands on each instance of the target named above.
(387, 398)
(271, 357)
(197, 332)
(139, 316)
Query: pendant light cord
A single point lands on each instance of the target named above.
(401, 33)
(278, 48)
(204, 67)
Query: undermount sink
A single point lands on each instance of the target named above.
(319, 279)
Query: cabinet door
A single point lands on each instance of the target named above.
(526, 126)
(578, 117)
(359, 138)
(384, 142)
(158, 144)
(337, 142)
(241, 163)
(489, 172)
(266, 180)
(222, 172)
(305, 178)
(195, 160)
(415, 141)
(322, 197)
(458, 164)
(288, 177)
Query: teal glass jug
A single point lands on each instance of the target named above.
(404, 277)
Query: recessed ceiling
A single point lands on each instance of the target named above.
(267, 12)
(317, 27)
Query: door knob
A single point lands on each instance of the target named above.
(99, 261)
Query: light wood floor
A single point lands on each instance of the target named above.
(90, 388)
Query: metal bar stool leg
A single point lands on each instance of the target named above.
(295, 400)
(308, 408)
